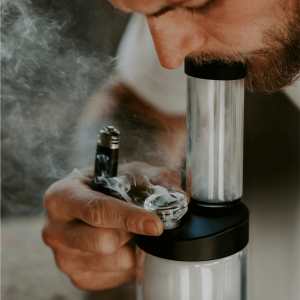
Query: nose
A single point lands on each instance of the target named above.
(175, 37)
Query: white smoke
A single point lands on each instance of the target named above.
(48, 75)
(122, 185)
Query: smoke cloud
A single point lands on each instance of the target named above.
(123, 186)
(48, 74)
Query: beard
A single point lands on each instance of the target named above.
(270, 69)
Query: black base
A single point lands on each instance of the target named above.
(204, 233)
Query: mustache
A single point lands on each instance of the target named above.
(271, 68)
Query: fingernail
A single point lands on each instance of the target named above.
(148, 227)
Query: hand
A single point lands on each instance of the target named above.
(91, 233)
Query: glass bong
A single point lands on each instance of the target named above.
(204, 255)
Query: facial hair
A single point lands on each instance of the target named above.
(270, 69)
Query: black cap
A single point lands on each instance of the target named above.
(203, 234)
(215, 70)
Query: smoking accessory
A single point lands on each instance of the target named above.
(106, 161)
(205, 256)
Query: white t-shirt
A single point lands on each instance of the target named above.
(274, 260)
(139, 67)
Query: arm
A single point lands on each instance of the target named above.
(91, 233)
(148, 134)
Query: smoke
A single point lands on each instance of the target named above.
(125, 185)
(164, 196)
(49, 71)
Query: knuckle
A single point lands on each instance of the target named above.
(78, 282)
(82, 281)
(55, 192)
(130, 224)
(105, 242)
(49, 237)
(168, 175)
(93, 212)
(48, 200)
(168, 172)
(50, 196)
(126, 262)
(62, 263)
(67, 262)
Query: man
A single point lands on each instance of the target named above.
(91, 233)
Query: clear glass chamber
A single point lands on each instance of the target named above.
(215, 126)
(163, 279)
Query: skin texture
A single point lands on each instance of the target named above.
(226, 26)
(263, 34)
(171, 128)
(91, 233)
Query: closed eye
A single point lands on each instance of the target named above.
(163, 11)
(203, 8)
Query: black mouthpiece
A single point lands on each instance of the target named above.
(215, 70)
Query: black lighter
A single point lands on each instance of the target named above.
(106, 161)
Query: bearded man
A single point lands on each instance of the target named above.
(91, 234)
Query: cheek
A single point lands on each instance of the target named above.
(238, 23)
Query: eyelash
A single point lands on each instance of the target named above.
(202, 9)
(195, 10)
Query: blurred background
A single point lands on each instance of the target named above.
(54, 55)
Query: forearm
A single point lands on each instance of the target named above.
(98, 113)
(146, 133)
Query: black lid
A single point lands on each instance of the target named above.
(203, 234)
(215, 70)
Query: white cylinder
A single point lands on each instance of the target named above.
(221, 279)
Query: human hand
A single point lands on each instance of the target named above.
(91, 233)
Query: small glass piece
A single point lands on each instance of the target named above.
(170, 208)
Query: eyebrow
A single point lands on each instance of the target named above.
(202, 9)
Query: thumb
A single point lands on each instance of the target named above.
(103, 211)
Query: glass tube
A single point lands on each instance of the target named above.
(163, 279)
(215, 126)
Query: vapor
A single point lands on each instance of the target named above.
(122, 186)
(48, 73)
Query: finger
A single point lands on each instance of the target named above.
(74, 261)
(92, 239)
(122, 260)
(165, 177)
(157, 175)
(180, 190)
(140, 260)
(76, 200)
(169, 179)
(140, 170)
(101, 280)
